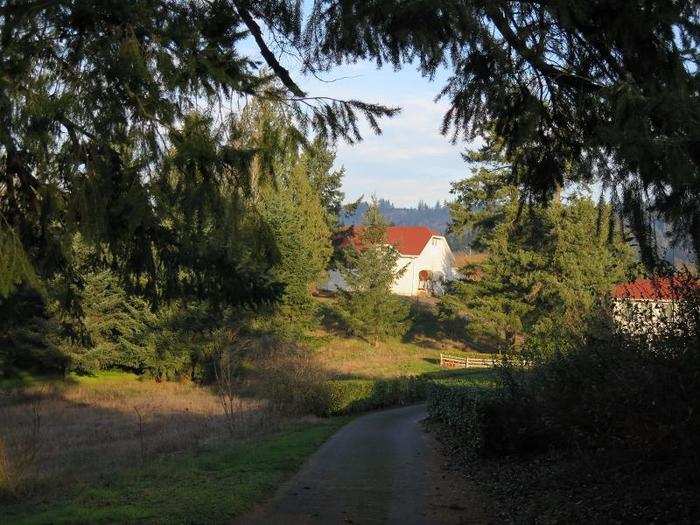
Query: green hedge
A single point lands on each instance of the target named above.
(487, 420)
(454, 404)
(358, 395)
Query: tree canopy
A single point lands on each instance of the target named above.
(94, 96)
(587, 90)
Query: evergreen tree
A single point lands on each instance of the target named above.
(113, 328)
(102, 325)
(327, 182)
(367, 306)
(544, 273)
(207, 244)
(30, 338)
(94, 94)
(289, 205)
(297, 221)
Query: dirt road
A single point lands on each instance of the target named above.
(381, 468)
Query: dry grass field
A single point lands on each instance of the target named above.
(86, 427)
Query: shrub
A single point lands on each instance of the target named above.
(487, 421)
(358, 395)
(614, 391)
(292, 380)
(454, 404)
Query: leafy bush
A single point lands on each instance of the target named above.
(486, 421)
(455, 405)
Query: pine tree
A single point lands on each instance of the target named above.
(327, 182)
(207, 243)
(103, 326)
(368, 306)
(297, 221)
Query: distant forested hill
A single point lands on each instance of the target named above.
(436, 217)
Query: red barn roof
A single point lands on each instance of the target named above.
(408, 240)
(663, 288)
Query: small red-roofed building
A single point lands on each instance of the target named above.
(424, 253)
(649, 305)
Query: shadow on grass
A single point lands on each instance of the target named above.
(330, 320)
(428, 330)
(22, 380)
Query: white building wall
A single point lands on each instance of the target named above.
(644, 316)
(436, 258)
(407, 283)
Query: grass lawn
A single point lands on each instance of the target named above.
(352, 357)
(212, 485)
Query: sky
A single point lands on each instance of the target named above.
(410, 160)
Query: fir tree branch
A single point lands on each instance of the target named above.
(562, 77)
(281, 72)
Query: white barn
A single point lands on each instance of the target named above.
(425, 255)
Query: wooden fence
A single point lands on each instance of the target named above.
(451, 361)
